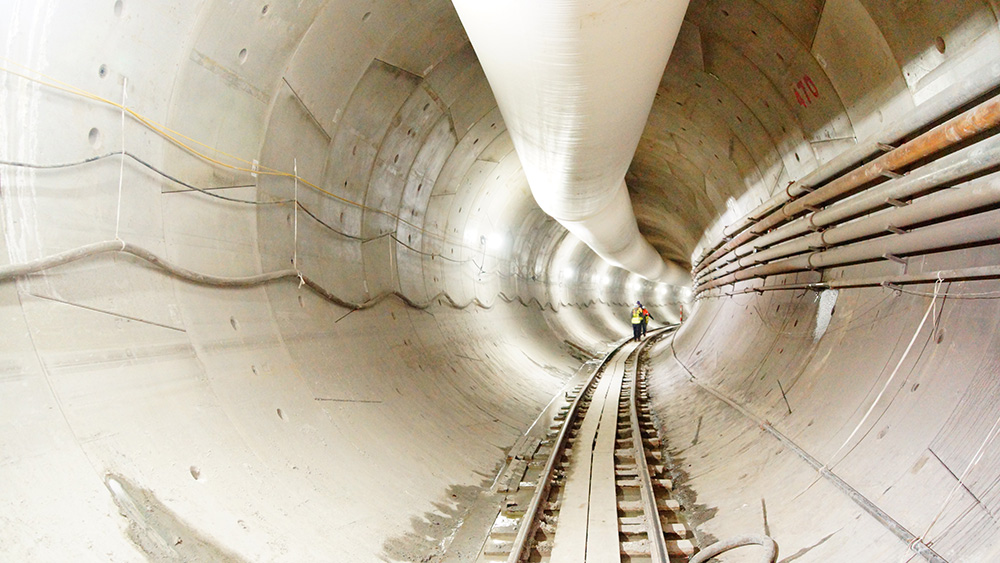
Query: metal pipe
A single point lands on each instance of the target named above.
(963, 274)
(654, 529)
(960, 164)
(958, 94)
(959, 232)
(981, 118)
(946, 203)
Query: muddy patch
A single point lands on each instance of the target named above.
(157, 531)
(693, 512)
(430, 534)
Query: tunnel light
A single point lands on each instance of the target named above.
(566, 274)
(472, 237)
(661, 289)
(495, 241)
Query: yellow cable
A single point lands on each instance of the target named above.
(172, 136)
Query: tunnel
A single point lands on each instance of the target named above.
(275, 287)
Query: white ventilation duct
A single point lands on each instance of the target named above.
(575, 80)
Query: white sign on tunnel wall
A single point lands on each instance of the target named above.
(827, 302)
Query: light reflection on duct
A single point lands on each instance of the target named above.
(575, 81)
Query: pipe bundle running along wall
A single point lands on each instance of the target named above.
(748, 254)
(958, 94)
(575, 81)
(806, 233)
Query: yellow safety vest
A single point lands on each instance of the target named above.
(636, 316)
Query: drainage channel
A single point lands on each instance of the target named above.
(595, 489)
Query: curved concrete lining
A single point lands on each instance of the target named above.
(360, 144)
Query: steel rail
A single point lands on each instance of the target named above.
(654, 529)
(544, 483)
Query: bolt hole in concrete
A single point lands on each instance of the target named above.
(365, 17)
(939, 43)
(302, 302)
(827, 302)
(940, 336)
(281, 415)
(94, 137)
(118, 7)
(263, 11)
(243, 56)
(102, 71)
(232, 321)
(195, 472)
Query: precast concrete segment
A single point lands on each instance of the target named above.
(575, 82)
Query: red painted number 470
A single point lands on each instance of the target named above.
(805, 91)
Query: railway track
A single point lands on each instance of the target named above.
(598, 484)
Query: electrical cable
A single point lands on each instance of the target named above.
(807, 334)
(895, 370)
(949, 295)
(431, 254)
(913, 542)
(206, 191)
(176, 138)
(121, 169)
(13, 271)
(150, 167)
(990, 436)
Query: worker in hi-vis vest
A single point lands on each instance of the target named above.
(637, 317)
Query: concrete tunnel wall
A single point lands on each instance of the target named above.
(267, 423)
